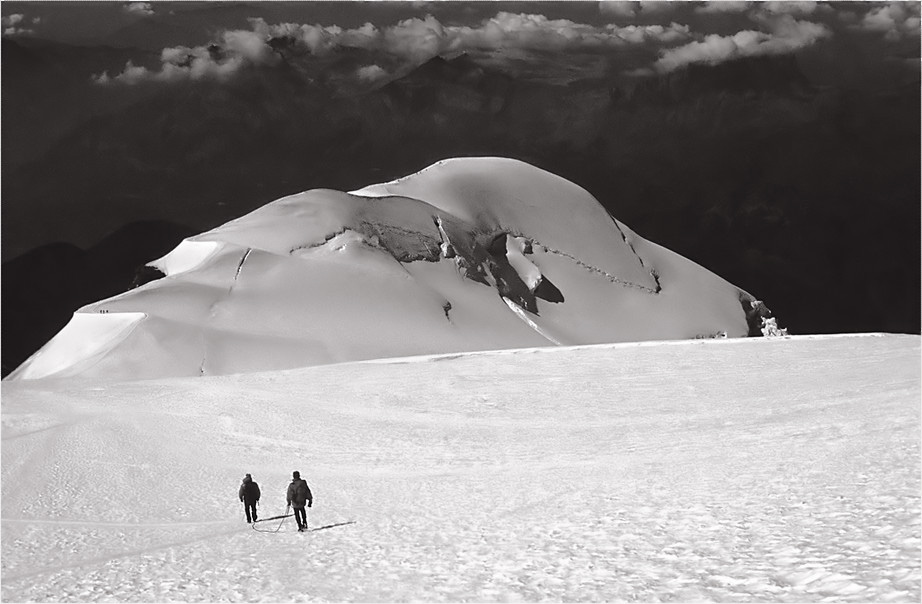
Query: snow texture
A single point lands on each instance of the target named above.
(468, 254)
(741, 470)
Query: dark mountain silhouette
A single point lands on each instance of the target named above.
(42, 288)
(47, 93)
(780, 75)
(807, 194)
(445, 86)
(196, 26)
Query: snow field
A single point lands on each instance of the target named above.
(738, 470)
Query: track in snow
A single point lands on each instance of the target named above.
(756, 470)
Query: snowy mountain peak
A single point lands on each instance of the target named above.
(467, 254)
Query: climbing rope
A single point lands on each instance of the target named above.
(276, 529)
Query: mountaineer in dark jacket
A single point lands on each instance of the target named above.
(299, 494)
(249, 495)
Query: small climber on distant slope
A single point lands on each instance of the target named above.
(299, 494)
(249, 495)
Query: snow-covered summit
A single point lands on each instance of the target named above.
(467, 254)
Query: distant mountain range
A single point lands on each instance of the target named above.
(805, 193)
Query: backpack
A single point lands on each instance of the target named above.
(301, 490)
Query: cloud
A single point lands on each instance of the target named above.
(247, 45)
(139, 8)
(786, 35)
(412, 40)
(537, 32)
(417, 39)
(370, 73)
(895, 20)
(132, 74)
(637, 34)
(179, 64)
(12, 25)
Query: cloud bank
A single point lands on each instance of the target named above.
(896, 20)
(412, 40)
(786, 35)
(762, 28)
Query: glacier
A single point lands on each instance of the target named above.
(468, 254)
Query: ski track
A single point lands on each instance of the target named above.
(765, 470)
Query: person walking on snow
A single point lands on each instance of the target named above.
(299, 494)
(249, 495)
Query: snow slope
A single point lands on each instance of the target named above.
(761, 469)
(468, 254)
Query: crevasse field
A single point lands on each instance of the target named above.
(747, 470)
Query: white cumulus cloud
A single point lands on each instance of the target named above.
(537, 32)
(785, 35)
(412, 40)
(139, 8)
(371, 73)
(895, 20)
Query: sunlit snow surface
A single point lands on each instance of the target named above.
(727, 470)
(439, 261)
